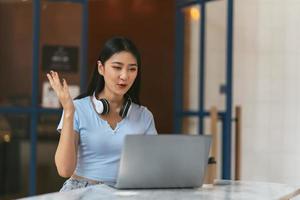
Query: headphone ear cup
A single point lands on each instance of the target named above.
(125, 108)
(101, 105)
(98, 106)
(105, 106)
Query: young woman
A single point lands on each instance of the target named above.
(93, 126)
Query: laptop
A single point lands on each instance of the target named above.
(163, 161)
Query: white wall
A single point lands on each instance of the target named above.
(266, 82)
(267, 85)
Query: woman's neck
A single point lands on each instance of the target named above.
(114, 100)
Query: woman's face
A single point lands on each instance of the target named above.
(119, 72)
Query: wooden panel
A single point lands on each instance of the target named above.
(151, 25)
(238, 140)
(61, 24)
(16, 49)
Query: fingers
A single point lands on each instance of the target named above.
(65, 85)
(50, 79)
(61, 89)
(54, 80)
(55, 76)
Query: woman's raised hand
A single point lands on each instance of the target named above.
(62, 91)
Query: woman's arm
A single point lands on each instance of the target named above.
(66, 152)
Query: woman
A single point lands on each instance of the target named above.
(94, 125)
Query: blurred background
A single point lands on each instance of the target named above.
(222, 67)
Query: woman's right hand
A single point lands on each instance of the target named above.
(62, 91)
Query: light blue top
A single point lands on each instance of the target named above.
(99, 148)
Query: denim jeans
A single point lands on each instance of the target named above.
(72, 184)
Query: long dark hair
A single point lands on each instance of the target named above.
(111, 47)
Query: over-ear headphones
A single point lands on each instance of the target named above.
(102, 106)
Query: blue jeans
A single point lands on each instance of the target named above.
(72, 184)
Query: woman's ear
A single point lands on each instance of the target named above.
(100, 67)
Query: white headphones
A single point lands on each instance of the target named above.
(102, 106)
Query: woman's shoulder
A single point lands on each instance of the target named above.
(81, 100)
(141, 111)
(82, 103)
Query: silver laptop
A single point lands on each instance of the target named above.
(163, 161)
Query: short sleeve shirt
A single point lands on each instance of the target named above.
(100, 146)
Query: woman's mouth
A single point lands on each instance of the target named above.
(122, 86)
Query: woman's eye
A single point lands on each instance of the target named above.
(116, 67)
(133, 69)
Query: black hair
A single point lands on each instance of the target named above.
(111, 47)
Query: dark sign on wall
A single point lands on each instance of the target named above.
(60, 58)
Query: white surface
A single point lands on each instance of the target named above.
(267, 86)
(223, 190)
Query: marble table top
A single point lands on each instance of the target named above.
(222, 189)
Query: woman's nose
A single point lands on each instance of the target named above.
(124, 75)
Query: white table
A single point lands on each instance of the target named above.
(241, 190)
